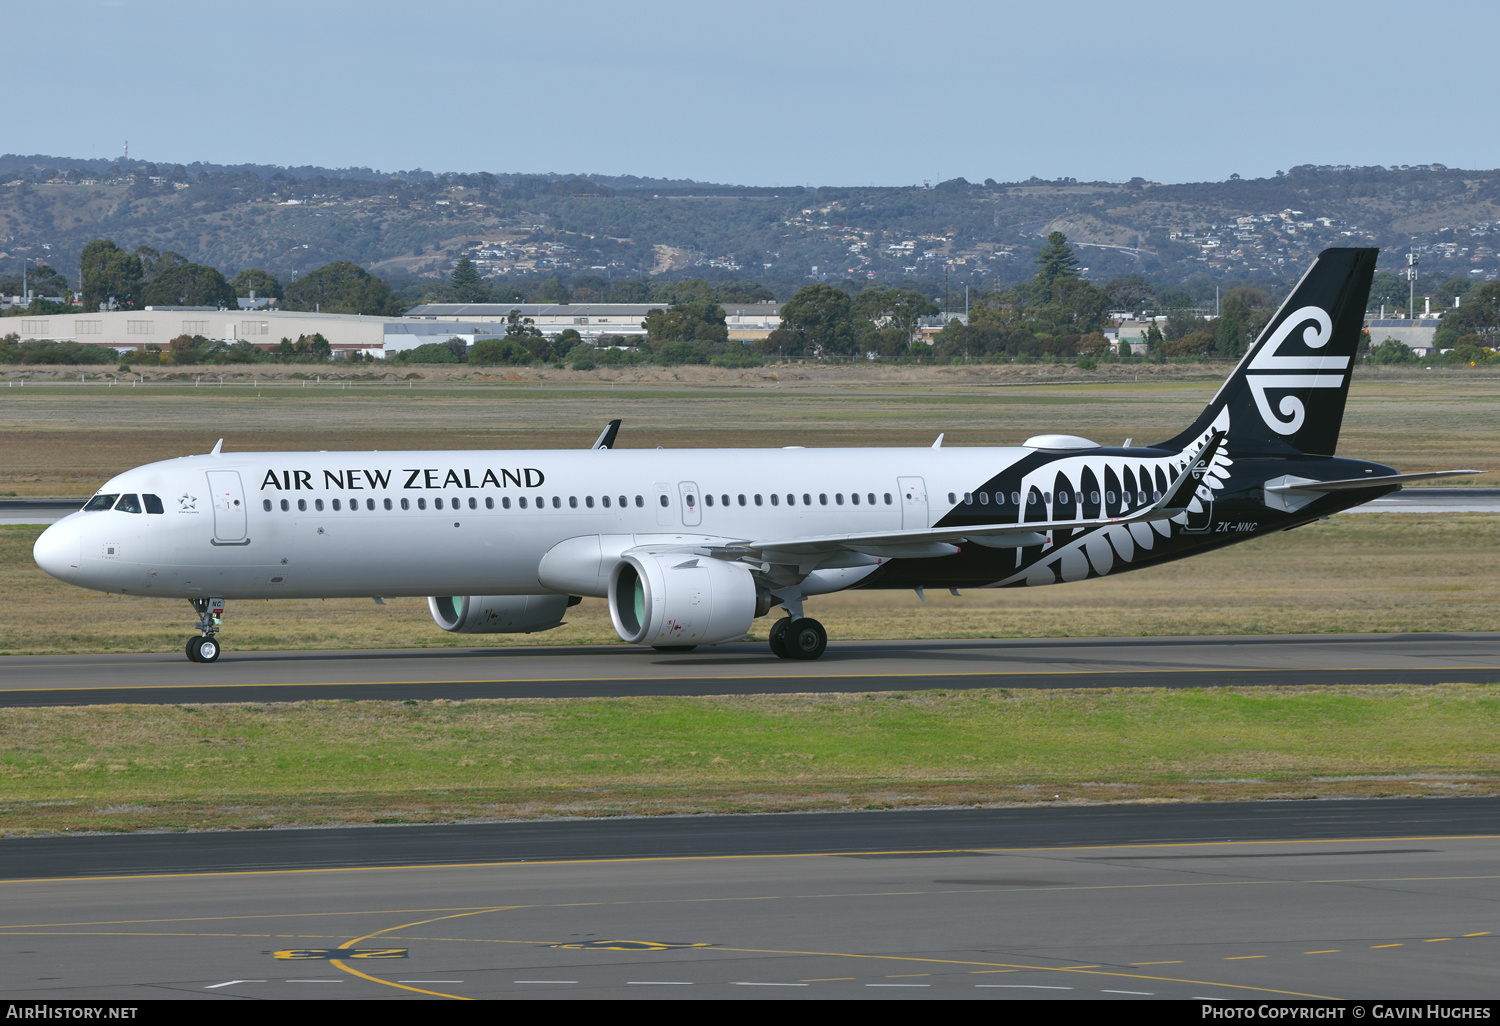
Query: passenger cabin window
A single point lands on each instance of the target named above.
(604, 499)
(100, 502)
(489, 502)
(758, 501)
(588, 500)
(823, 498)
(854, 498)
(640, 500)
(806, 499)
(387, 503)
(336, 506)
(505, 501)
(153, 503)
(406, 503)
(285, 506)
(742, 500)
(726, 500)
(370, 504)
(421, 504)
(265, 504)
(437, 503)
(887, 498)
(318, 504)
(556, 502)
(708, 500)
(775, 499)
(663, 500)
(573, 501)
(522, 501)
(473, 502)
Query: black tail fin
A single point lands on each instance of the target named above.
(1287, 395)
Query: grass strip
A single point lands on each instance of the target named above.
(121, 768)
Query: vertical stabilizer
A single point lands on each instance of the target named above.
(1287, 395)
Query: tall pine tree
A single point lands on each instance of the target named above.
(1055, 261)
(466, 284)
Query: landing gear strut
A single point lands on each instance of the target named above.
(204, 647)
(794, 637)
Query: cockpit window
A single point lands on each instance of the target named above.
(129, 504)
(100, 502)
(153, 503)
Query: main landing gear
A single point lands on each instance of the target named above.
(205, 648)
(794, 637)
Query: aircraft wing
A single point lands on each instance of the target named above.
(818, 550)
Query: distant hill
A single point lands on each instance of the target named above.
(413, 225)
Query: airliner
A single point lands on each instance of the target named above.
(690, 546)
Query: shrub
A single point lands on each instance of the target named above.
(673, 354)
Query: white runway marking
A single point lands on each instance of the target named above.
(230, 983)
(429, 981)
(535, 981)
(1143, 993)
(898, 985)
(315, 981)
(742, 983)
(658, 983)
(1019, 986)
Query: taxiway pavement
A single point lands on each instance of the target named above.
(749, 668)
(1338, 899)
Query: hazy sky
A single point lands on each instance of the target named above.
(763, 93)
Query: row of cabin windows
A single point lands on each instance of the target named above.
(605, 501)
(791, 499)
(437, 503)
(128, 503)
(1063, 498)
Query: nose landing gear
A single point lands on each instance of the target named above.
(205, 648)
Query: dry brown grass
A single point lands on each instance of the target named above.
(64, 440)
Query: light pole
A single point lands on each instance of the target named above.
(1411, 274)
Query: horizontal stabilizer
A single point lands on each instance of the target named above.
(1354, 484)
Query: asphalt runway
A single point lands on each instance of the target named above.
(1337, 899)
(749, 668)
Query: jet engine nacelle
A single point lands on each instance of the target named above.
(669, 598)
(498, 614)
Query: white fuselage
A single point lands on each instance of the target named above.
(298, 525)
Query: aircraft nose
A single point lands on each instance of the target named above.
(59, 551)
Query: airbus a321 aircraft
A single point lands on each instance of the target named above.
(690, 546)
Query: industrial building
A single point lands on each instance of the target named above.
(597, 323)
(134, 329)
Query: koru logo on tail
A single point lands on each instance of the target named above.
(1272, 369)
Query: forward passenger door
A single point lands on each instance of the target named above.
(229, 506)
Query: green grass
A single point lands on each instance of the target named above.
(133, 767)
